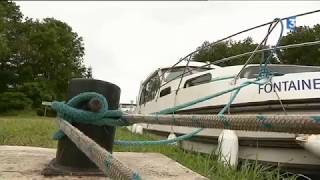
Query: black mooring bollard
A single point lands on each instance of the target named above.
(69, 159)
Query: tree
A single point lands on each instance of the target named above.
(53, 53)
(309, 55)
(226, 49)
(37, 58)
(10, 19)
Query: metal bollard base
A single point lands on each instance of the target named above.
(56, 169)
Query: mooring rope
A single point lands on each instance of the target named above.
(106, 162)
(159, 142)
(307, 123)
(276, 21)
(69, 111)
(301, 124)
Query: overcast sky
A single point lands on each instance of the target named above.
(125, 41)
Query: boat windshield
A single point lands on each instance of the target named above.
(178, 71)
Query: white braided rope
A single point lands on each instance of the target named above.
(111, 166)
(304, 124)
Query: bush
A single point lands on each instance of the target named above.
(37, 92)
(40, 111)
(49, 112)
(12, 101)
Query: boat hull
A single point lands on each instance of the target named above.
(296, 106)
(280, 149)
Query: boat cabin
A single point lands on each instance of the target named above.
(167, 87)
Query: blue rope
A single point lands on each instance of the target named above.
(159, 142)
(264, 70)
(70, 113)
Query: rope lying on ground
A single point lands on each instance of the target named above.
(102, 158)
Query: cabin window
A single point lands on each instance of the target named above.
(174, 73)
(150, 89)
(165, 91)
(205, 78)
(178, 71)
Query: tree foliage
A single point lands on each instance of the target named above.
(301, 56)
(13, 101)
(10, 20)
(226, 49)
(55, 50)
(37, 58)
(309, 55)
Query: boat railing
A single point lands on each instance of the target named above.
(310, 43)
(188, 57)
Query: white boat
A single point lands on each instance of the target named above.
(298, 88)
(194, 88)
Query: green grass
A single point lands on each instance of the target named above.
(206, 165)
(27, 129)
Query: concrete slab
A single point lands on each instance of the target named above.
(24, 163)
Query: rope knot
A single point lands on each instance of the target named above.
(87, 108)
